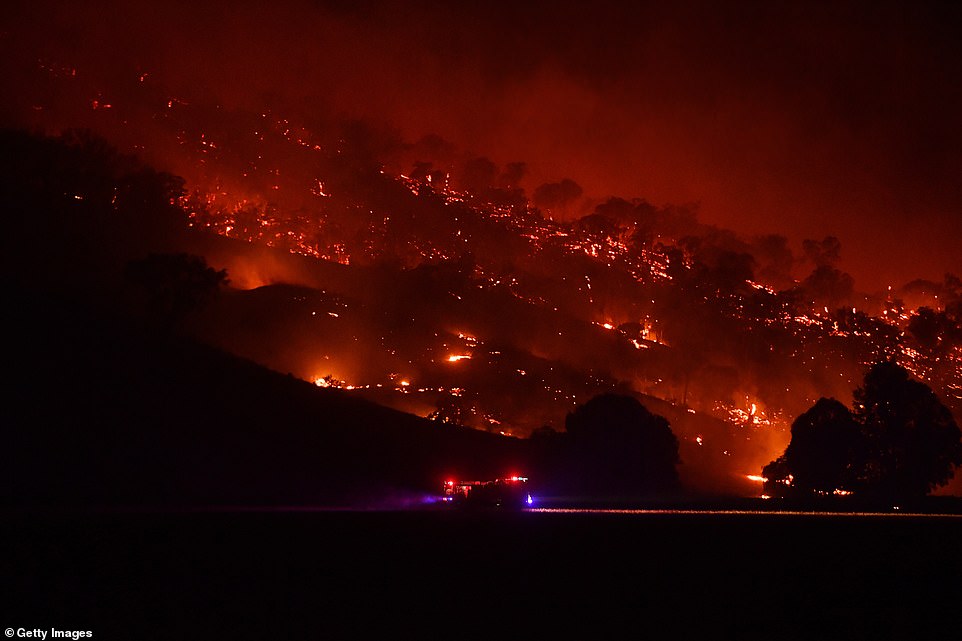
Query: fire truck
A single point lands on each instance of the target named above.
(509, 493)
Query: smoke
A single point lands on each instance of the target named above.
(803, 121)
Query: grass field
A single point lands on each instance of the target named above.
(450, 575)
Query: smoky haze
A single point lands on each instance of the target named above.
(805, 120)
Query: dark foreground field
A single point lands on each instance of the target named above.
(451, 575)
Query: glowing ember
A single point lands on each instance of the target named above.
(756, 478)
(458, 357)
(330, 381)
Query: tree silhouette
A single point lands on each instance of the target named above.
(478, 175)
(824, 253)
(900, 442)
(778, 477)
(915, 442)
(557, 195)
(828, 286)
(512, 174)
(723, 271)
(74, 204)
(824, 452)
(617, 447)
(775, 260)
(935, 331)
(171, 285)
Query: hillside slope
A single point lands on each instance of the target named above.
(103, 413)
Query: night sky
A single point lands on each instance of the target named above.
(805, 119)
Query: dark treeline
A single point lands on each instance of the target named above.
(899, 443)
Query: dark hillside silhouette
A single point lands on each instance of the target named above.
(165, 287)
(75, 210)
(102, 414)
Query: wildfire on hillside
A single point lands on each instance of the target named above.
(547, 311)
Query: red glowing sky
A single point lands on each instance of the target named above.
(805, 119)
